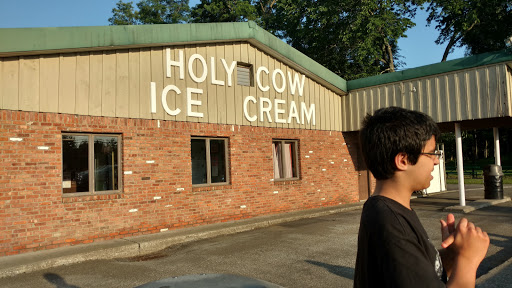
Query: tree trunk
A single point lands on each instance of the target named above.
(389, 53)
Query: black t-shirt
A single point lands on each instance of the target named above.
(394, 249)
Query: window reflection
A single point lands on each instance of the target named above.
(75, 177)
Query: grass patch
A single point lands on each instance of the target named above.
(469, 180)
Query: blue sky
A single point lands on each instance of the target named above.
(418, 48)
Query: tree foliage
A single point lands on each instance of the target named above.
(352, 38)
(150, 12)
(209, 11)
(481, 25)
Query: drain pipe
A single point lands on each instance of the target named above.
(460, 168)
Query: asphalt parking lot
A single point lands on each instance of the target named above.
(309, 252)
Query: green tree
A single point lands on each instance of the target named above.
(482, 25)
(150, 12)
(209, 11)
(123, 14)
(351, 38)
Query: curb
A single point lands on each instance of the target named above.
(474, 205)
(145, 244)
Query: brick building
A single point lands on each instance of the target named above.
(110, 132)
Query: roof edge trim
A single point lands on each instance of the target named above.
(432, 69)
(21, 41)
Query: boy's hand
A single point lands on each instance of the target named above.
(467, 241)
(447, 229)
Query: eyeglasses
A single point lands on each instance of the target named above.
(436, 154)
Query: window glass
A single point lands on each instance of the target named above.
(285, 159)
(90, 163)
(75, 151)
(209, 161)
(105, 163)
(198, 151)
(218, 161)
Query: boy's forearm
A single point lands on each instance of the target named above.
(463, 274)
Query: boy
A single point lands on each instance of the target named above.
(399, 148)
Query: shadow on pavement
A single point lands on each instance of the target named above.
(342, 271)
(58, 281)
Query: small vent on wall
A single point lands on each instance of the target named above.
(245, 74)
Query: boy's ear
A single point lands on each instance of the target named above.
(401, 161)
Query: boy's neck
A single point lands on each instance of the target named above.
(394, 190)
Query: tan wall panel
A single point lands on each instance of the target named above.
(495, 97)
(67, 86)
(9, 83)
(220, 75)
(252, 89)
(83, 83)
(230, 85)
(49, 87)
(212, 90)
(29, 84)
(266, 80)
(180, 101)
(201, 50)
(239, 117)
(145, 85)
(108, 96)
(244, 57)
(157, 76)
(122, 84)
(134, 83)
(118, 84)
(96, 80)
(174, 79)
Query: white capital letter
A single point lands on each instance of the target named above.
(164, 99)
(246, 112)
(283, 80)
(278, 111)
(191, 69)
(264, 109)
(229, 70)
(153, 97)
(212, 68)
(178, 63)
(296, 81)
(258, 80)
(308, 114)
(293, 113)
(191, 102)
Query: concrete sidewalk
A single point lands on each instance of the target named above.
(145, 244)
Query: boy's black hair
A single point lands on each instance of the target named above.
(394, 130)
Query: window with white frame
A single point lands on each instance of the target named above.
(209, 161)
(285, 156)
(90, 163)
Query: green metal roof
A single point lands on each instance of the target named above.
(23, 41)
(433, 69)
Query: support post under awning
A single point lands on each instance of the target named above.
(496, 133)
(460, 166)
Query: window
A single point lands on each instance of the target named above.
(209, 161)
(285, 155)
(245, 74)
(82, 153)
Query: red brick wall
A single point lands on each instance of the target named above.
(35, 215)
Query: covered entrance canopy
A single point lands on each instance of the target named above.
(462, 94)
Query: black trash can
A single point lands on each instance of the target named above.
(493, 182)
